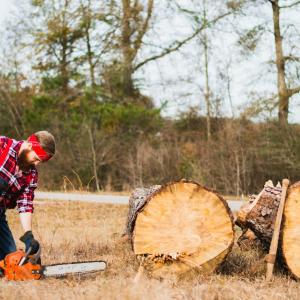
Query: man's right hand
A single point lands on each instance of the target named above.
(28, 239)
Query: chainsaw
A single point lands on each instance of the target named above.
(23, 266)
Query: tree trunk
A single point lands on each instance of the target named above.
(127, 69)
(90, 57)
(280, 64)
(179, 227)
(94, 156)
(64, 72)
(207, 88)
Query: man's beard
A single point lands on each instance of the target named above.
(23, 163)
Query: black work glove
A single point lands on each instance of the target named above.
(3, 185)
(28, 239)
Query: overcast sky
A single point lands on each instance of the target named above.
(160, 78)
(5, 6)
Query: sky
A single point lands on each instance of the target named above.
(160, 78)
(5, 6)
(248, 74)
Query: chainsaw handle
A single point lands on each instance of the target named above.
(33, 258)
(24, 258)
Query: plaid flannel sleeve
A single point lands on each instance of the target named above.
(3, 140)
(25, 199)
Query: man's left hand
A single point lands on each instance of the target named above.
(28, 239)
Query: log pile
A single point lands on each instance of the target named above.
(179, 227)
(259, 216)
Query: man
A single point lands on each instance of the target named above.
(18, 180)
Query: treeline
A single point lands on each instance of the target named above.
(115, 147)
(74, 67)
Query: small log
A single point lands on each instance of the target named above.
(179, 227)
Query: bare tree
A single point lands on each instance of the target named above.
(206, 68)
(134, 26)
(283, 38)
(284, 92)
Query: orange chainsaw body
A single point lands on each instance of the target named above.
(12, 270)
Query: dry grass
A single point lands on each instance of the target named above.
(71, 231)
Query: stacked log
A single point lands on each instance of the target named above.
(260, 212)
(179, 227)
(259, 215)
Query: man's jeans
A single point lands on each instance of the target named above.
(7, 243)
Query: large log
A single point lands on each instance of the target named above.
(179, 227)
(291, 230)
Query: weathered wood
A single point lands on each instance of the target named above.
(259, 214)
(179, 227)
(275, 238)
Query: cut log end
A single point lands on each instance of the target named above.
(291, 230)
(181, 226)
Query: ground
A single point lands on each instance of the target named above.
(71, 231)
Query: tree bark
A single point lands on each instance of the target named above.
(134, 27)
(90, 55)
(259, 214)
(137, 201)
(127, 69)
(207, 88)
(64, 72)
(280, 64)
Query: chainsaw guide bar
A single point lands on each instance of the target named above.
(73, 268)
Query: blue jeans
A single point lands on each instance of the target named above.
(7, 242)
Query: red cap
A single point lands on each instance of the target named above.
(37, 148)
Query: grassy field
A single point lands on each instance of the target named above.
(71, 231)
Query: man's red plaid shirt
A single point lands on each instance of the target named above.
(21, 184)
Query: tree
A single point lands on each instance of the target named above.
(98, 32)
(284, 36)
(131, 21)
(134, 26)
(200, 15)
(284, 91)
(54, 40)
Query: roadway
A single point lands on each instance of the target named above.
(107, 199)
